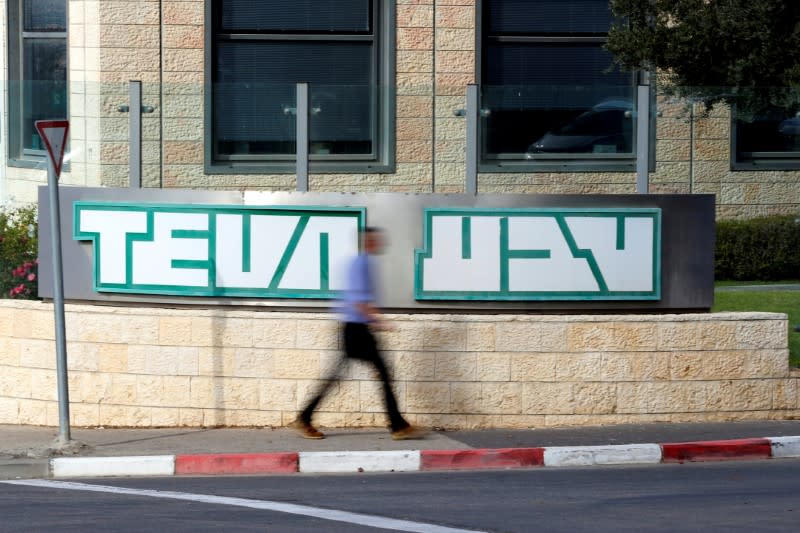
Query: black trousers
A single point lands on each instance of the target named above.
(359, 343)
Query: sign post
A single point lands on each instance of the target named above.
(54, 134)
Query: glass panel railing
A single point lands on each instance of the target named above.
(533, 122)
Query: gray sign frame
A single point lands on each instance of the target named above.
(687, 246)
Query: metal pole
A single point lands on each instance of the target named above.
(58, 305)
(643, 135)
(135, 127)
(302, 137)
(471, 185)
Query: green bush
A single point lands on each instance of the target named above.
(19, 277)
(759, 249)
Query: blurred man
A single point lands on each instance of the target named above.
(360, 317)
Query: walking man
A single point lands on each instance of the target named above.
(360, 316)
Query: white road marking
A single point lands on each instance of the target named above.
(303, 510)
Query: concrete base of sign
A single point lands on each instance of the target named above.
(151, 367)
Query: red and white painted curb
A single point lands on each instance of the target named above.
(425, 460)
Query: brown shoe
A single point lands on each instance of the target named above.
(408, 433)
(307, 431)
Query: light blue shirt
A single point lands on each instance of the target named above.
(359, 289)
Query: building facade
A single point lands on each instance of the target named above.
(387, 82)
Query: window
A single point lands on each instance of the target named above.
(769, 140)
(262, 48)
(37, 73)
(549, 98)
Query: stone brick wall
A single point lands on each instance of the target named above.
(194, 367)
(162, 43)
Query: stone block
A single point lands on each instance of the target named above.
(415, 38)
(237, 393)
(412, 366)
(278, 394)
(175, 331)
(414, 61)
(414, 16)
(18, 382)
(30, 412)
(456, 16)
(37, 353)
(784, 394)
(594, 398)
(465, 398)
(444, 336)
(411, 106)
(518, 337)
(688, 365)
(718, 336)
(150, 390)
(579, 367)
(762, 334)
(494, 367)
(236, 332)
(9, 351)
(123, 389)
(455, 39)
(177, 391)
(84, 415)
(318, 334)
(179, 12)
(612, 336)
(42, 325)
(455, 366)
(533, 366)
(501, 398)
(9, 410)
(426, 397)
(678, 336)
(344, 396)
(191, 417)
(275, 333)
(541, 398)
(296, 364)
(253, 363)
(165, 417)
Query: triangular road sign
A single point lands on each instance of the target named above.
(54, 135)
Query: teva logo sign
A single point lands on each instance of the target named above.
(266, 252)
(540, 254)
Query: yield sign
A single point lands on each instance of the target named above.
(54, 135)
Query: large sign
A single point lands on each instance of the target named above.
(540, 254)
(281, 252)
(446, 252)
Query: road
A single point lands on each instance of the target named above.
(731, 496)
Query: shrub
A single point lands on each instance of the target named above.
(762, 249)
(19, 277)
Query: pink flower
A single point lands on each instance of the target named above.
(31, 276)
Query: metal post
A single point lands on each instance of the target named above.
(643, 135)
(471, 185)
(135, 144)
(302, 137)
(64, 436)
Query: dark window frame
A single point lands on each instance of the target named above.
(18, 156)
(557, 162)
(382, 159)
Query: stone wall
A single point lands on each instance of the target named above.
(148, 367)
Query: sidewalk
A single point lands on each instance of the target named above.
(25, 451)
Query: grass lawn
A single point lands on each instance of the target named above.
(768, 301)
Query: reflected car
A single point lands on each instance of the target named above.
(790, 126)
(605, 128)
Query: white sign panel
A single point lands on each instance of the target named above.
(539, 254)
(270, 252)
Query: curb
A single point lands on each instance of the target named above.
(409, 460)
